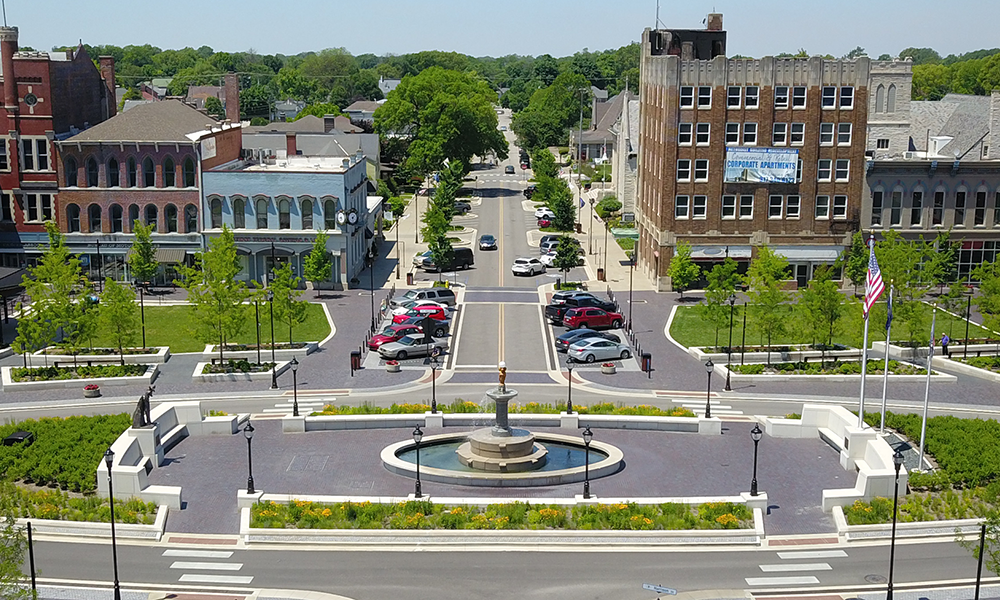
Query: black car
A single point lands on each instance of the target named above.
(571, 337)
(462, 207)
(555, 312)
(487, 242)
(461, 258)
(529, 191)
(509, 169)
(440, 327)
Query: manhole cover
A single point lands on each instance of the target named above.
(875, 579)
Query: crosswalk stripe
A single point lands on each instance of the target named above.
(777, 581)
(230, 579)
(301, 404)
(197, 553)
(702, 405)
(783, 567)
(207, 566)
(812, 554)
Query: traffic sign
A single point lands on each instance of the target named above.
(659, 589)
(581, 203)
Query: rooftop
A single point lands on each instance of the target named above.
(293, 164)
(166, 121)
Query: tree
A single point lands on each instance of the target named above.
(213, 106)
(767, 299)
(857, 52)
(988, 301)
(953, 301)
(722, 282)
(567, 255)
(683, 272)
(287, 307)
(941, 266)
(930, 82)
(822, 306)
(143, 257)
(13, 547)
(320, 109)
(545, 69)
(119, 315)
(608, 207)
(555, 193)
(856, 265)
(552, 111)
(318, 264)
(543, 163)
(920, 56)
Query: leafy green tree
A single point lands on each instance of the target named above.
(214, 108)
(288, 309)
(13, 548)
(608, 206)
(255, 101)
(988, 301)
(142, 260)
(722, 282)
(552, 111)
(318, 264)
(365, 84)
(966, 77)
(953, 301)
(902, 265)
(33, 334)
(856, 265)
(822, 306)
(555, 193)
(543, 163)
(921, 56)
(545, 69)
(291, 84)
(683, 272)
(931, 82)
(858, 51)
(767, 298)
(119, 315)
(319, 109)
(941, 266)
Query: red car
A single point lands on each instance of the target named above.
(393, 333)
(544, 222)
(428, 310)
(592, 318)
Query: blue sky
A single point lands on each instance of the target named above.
(557, 27)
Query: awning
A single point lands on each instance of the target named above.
(808, 253)
(719, 252)
(170, 256)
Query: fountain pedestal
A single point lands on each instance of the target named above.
(501, 448)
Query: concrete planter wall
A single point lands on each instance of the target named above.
(212, 351)
(159, 357)
(10, 385)
(955, 365)
(917, 529)
(936, 377)
(199, 377)
(762, 357)
(94, 529)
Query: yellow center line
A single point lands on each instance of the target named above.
(500, 271)
(500, 337)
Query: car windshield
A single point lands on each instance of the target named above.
(388, 331)
(407, 341)
(411, 294)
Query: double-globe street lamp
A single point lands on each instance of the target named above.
(897, 462)
(755, 434)
(295, 386)
(248, 434)
(109, 459)
(418, 434)
(588, 436)
(709, 367)
(729, 348)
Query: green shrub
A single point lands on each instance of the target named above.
(990, 363)
(79, 372)
(875, 367)
(61, 506)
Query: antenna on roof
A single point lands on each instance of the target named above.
(659, 23)
(4, 6)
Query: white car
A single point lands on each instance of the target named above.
(543, 212)
(406, 306)
(548, 259)
(527, 266)
(591, 349)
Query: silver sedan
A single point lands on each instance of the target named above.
(592, 349)
(410, 346)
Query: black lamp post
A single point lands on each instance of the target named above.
(434, 367)
(248, 433)
(709, 367)
(370, 259)
(588, 435)
(109, 458)
(274, 363)
(418, 435)
(897, 462)
(590, 229)
(256, 316)
(395, 226)
(295, 386)
(142, 315)
(729, 348)
(631, 270)
(755, 435)
(569, 390)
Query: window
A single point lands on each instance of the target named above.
(191, 218)
(34, 154)
(703, 133)
(330, 214)
(779, 136)
(734, 96)
(752, 97)
(133, 216)
(261, 213)
(685, 134)
(896, 209)
(846, 97)
(681, 207)
(890, 104)
(843, 134)
(216, 210)
(798, 171)
(114, 174)
(798, 134)
(73, 218)
(826, 134)
(979, 217)
(170, 213)
(151, 214)
(729, 207)
(284, 214)
(131, 173)
(148, 173)
(169, 173)
(916, 210)
(749, 134)
(687, 96)
(683, 170)
(781, 96)
(732, 134)
(116, 219)
(937, 216)
(94, 218)
(71, 173)
(829, 97)
(307, 213)
(882, 144)
(189, 172)
(4, 163)
(239, 213)
(877, 208)
(92, 174)
(960, 208)
(843, 172)
(879, 98)
(746, 207)
(996, 210)
(701, 169)
(704, 97)
(822, 207)
(774, 206)
(792, 207)
(840, 207)
(823, 169)
(7, 210)
(39, 207)
(799, 96)
(699, 210)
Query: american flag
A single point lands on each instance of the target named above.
(873, 286)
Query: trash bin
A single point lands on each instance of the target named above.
(355, 360)
(579, 227)
(558, 283)
(647, 361)
(600, 274)
(409, 278)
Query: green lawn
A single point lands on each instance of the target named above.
(173, 326)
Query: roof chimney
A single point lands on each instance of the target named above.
(714, 22)
(8, 46)
(290, 144)
(232, 97)
(108, 75)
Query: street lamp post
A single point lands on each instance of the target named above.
(100, 267)
(142, 315)
(248, 434)
(755, 435)
(897, 462)
(396, 227)
(607, 228)
(569, 390)
(370, 259)
(274, 364)
(631, 270)
(729, 348)
(295, 386)
(109, 458)
(434, 368)
(588, 435)
(590, 228)
(418, 435)
(709, 367)
(256, 316)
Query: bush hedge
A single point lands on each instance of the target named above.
(61, 506)
(78, 372)
(875, 367)
(990, 363)
(926, 506)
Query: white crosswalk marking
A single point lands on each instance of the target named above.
(781, 580)
(231, 579)
(197, 553)
(213, 578)
(698, 408)
(305, 407)
(206, 566)
(796, 567)
(812, 554)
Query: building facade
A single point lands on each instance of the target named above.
(699, 110)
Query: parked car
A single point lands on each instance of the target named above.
(591, 349)
(548, 246)
(544, 212)
(544, 222)
(461, 258)
(418, 258)
(444, 296)
(564, 341)
(435, 312)
(548, 259)
(509, 169)
(412, 304)
(548, 237)
(503, 128)
(409, 346)
(487, 242)
(462, 207)
(440, 329)
(561, 297)
(529, 191)
(393, 333)
(527, 266)
(556, 312)
(590, 317)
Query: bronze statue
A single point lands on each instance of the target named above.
(141, 416)
(503, 376)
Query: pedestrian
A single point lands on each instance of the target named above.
(944, 344)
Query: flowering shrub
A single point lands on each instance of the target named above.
(392, 363)
(464, 406)
(608, 364)
(91, 387)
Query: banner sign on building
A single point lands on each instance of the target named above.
(764, 165)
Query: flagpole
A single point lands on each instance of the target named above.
(885, 371)
(864, 375)
(927, 391)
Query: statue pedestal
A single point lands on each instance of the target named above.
(149, 442)
(501, 397)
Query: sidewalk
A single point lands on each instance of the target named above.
(150, 592)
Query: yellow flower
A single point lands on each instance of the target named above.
(326, 512)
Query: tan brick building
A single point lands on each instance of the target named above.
(697, 108)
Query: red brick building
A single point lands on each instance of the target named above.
(47, 96)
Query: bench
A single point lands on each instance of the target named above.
(835, 441)
(109, 360)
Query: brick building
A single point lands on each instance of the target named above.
(47, 96)
(699, 109)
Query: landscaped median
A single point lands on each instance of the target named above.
(463, 406)
(982, 367)
(68, 376)
(282, 350)
(237, 370)
(834, 370)
(147, 356)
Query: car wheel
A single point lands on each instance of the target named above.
(616, 324)
(465, 266)
(626, 354)
(439, 332)
(401, 355)
(590, 358)
(582, 326)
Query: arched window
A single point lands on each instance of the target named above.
(284, 214)
(114, 174)
(151, 215)
(216, 205)
(890, 105)
(307, 213)
(92, 175)
(239, 213)
(189, 172)
(73, 218)
(191, 218)
(132, 174)
(261, 205)
(148, 173)
(94, 218)
(116, 219)
(879, 98)
(71, 173)
(170, 213)
(133, 216)
(169, 172)
(330, 214)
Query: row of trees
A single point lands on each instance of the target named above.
(551, 111)
(553, 191)
(440, 211)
